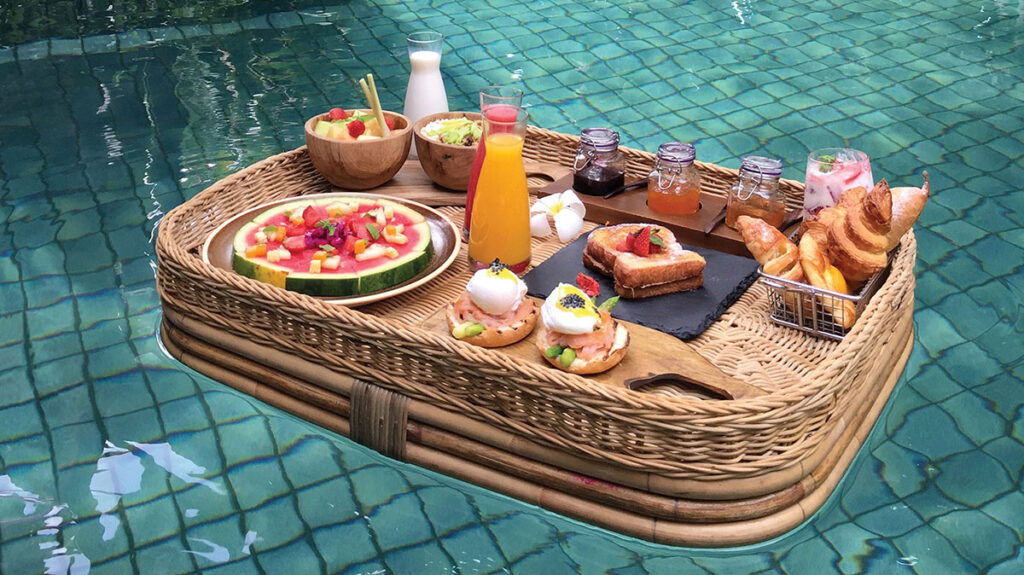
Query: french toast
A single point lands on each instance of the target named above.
(640, 266)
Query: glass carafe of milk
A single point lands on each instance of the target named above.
(425, 94)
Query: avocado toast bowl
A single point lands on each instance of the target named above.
(447, 165)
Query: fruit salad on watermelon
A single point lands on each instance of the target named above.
(334, 247)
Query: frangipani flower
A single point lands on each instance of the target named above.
(567, 211)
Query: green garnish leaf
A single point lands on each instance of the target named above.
(609, 303)
(327, 225)
(287, 213)
(327, 248)
(826, 163)
(657, 241)
(372, 228)
(553, 351)
(270, 229)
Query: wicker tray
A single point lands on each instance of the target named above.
(707, 471)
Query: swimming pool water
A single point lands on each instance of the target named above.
(115, 458)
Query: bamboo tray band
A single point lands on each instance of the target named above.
(704, 490)
(669, 532)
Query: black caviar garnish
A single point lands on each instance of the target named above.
(572, 301)
(496, 266)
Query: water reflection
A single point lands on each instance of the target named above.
(119, 472)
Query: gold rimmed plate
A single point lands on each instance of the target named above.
(218, 249)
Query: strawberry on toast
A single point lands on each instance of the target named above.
(645, 260)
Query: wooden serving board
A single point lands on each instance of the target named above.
(631, 206)
(655, 360)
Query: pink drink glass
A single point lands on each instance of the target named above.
(831, 171)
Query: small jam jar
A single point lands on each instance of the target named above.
(599, 167)
(674, 185)
(756, 193)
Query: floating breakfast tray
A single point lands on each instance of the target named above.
(733, 437)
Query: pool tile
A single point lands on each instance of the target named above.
(346, 544)
(902, 469)
(978, 537)
(972, 478)
(400, 522)
(932, 552)
(931, 432)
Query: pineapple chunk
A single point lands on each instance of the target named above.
(314, 266)
(371, 252)
(332, 263)
(261, 237)
(389, 212)
(381, 219)
(273, 256)
(399, 239)
(391, 252)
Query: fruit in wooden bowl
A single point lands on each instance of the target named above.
(448, 165)
(358, 164)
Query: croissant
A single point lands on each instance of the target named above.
(857, 242)
(822, 274)
(775, 252)
(907, 203)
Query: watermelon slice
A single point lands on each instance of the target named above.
(351, 276)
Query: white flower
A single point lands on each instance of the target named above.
(567, 211)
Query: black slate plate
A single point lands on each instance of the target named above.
(683, 314)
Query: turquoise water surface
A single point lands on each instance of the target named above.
(115, 458)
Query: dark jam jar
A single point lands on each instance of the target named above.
(599, 167)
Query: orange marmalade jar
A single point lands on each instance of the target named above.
(756, 193)
(674, 185)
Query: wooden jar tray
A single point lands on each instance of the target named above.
(744, 452)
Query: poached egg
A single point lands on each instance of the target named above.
(496, 290)
(570, 311)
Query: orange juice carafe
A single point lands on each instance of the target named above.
(674, 185)
(497, 103)
(500, 227)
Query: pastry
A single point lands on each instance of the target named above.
(857, 242)
(907, 203)
(776, 253)
(820, 273)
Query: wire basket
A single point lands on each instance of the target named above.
(818, 311)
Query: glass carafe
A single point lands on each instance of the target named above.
(501, 209)
(425, 93)
(498, 103)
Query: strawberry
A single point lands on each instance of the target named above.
(588, 284)
(390, 122)
(630, 240)
(355, 128)
(642, 242)
(338, 114)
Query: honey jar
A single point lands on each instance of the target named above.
(674, 185)
(756, 193)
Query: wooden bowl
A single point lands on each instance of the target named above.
(446, 164)
(359, 165)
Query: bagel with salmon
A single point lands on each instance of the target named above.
(578, 336)
(493, 311)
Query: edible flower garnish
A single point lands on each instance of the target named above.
(566, 210)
